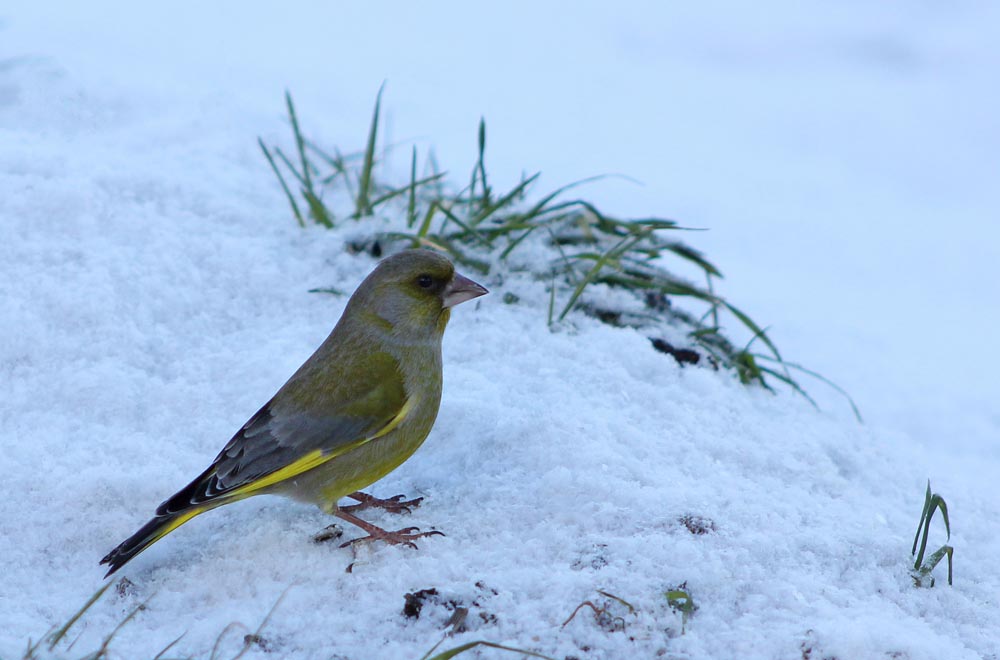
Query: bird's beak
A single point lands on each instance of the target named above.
(460, 289)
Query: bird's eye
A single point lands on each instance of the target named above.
(425, 281)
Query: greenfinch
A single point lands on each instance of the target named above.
(352, 413)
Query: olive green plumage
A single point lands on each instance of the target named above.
(352, 413)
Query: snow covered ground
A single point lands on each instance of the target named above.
(154, 291)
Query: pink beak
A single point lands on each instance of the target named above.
(460, 289)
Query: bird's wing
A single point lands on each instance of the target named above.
(298, 430)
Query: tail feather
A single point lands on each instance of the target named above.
(170, 515)
(147, 535)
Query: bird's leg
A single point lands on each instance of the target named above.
(395, 504)
(405, 536)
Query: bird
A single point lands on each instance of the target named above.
(354, 411)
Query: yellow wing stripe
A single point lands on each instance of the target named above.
(394, 422)
(314, 459)
(174, 524)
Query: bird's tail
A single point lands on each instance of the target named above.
(147, 535)
(179, 508)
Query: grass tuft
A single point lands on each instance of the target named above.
(922, 568)
(363, 206)
(582, 252)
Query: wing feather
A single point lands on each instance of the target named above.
(285, 439)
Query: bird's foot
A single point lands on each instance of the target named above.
(405, 536)
(395, 504)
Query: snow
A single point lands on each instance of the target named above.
(155, 294)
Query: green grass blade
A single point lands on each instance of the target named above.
(932, 502)
(363, 207)
(938, 502)
(284, 186)
(299, 143)
(755, 329)
(432, 242)
(481, 165)
(425, 226)
(487, 209)
(411, 203)
(923, 516)
(541, 204)
(818, 376)
(747, 369)
(564, 259)
(318, 210)
(288, 163)
(714, 308)
(925, 532)
(337, 161)
(790, 383)
(513, 244)
(469, 232)
(333, 291)
(552, 300)
(694, 256)
(410, 188)
(665, 285)
(935, 558)
(680, 600)
(608, 257)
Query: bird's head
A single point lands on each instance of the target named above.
(410, 295)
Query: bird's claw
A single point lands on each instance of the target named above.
(397, 504)
(405, 537)
(394, 504)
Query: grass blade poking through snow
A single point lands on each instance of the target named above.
(363, 206)
(922, 569)
(680, 600)
(284, 185)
